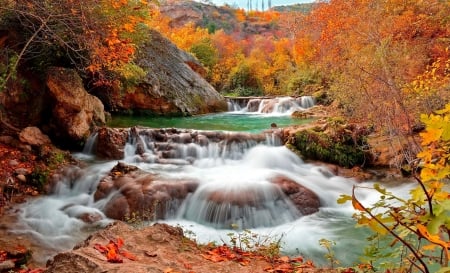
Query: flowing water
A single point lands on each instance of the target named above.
(228, 168)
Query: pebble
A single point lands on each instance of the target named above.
(21, 178)
(6, 265)
(13, 163)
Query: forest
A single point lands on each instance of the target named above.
(384, 64)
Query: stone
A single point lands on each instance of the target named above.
(111, 143)
(306, 201)
(170, 86)
(33, 136)
(22, 178)
(157, 248)
(6, 265)
(76, 113)
(136, 193)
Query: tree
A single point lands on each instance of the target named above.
(420, 224)
(370, 50)
(96, 37)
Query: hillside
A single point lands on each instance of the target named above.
(213, 18)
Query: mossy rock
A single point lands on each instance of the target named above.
(341, 147)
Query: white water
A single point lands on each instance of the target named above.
(231, 169)
(274, 106)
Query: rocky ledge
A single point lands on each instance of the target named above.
(162, 248)
(133, 193)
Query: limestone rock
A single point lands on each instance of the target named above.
(111, 142)
(76, 112)
(170, 86)
(157, 248)
(33, 136)
(306, 201)
(141, 194)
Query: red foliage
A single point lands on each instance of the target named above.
(113, 252)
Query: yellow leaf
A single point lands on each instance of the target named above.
(435, 239)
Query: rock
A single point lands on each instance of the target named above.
(157, 248)
(136, 193)
(253, 105)
(170, 86)
(33, 136)
(306, 201)
(6, 265)
(22, 178)
(13, 163)
(76, 112)
(111, 143)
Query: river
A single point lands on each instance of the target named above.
(54, 220)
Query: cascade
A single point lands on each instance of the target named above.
(235, 175)
(278, 105)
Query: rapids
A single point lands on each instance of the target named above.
(66, 217)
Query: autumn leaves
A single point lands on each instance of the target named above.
(115, 253)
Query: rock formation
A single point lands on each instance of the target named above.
(75, 112)
(170, 87)
(136, 193)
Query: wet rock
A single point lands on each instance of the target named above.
(306, 201)
(136, 193)
(253, 105)
(111, 142)
(33, 136)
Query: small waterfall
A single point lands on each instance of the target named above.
(89, 146)
(183, 147)
(239, 205)
(307, 102)
(233, 106)
(278, 105)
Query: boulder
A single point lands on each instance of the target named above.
(133, 192)
(111, 142)
(33, 136)
(306, 201)
(170, 87)
(76, 113)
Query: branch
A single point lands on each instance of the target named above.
(422, 185)
(22, 52)
(360, 206)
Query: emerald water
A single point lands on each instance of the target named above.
(228, 121)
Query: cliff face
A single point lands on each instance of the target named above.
(171, 86)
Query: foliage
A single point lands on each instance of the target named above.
(205, 53)
(328, 245)
(114, 252)
(247, 240)
(420, 224)
(95, 37)
(243, 81)
(304, 82)
(372, 49)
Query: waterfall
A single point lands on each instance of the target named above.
(89, 146)
(278, 105)
(235, 174)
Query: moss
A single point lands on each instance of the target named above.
(340, 149)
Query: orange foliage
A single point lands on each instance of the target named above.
(283, 264)
(113, 252)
